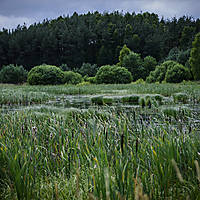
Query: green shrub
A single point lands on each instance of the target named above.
(125, 99)
(139, 81)
(98, 100)
(133, 99)
(88, 69)
(83, 83)
(113, 74)
(180, 97)
(170, 112)
(45, 75)
(148, 101)
(107, 100)
(71, 77)
(158, 98)
(91, 79)
(177, 74)
(13, 74)
(158, 75)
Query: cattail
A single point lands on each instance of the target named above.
(177, 171)
(34, 132)
(136, 147)
(197, 169)
(122, 143)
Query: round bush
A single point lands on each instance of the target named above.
(13, 74)
(113, 74)
(45, 75)
(177, 74)
(158, 75)
(71, 77)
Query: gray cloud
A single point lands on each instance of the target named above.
(14, 12)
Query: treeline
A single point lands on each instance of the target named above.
(95, 38)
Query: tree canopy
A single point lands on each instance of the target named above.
(94, 38)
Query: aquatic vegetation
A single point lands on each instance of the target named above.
(110, 150)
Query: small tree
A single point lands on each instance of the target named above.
(195, 57)
(124, 52)
(13, 74)
(134, 64)
(64, 67)
(88, 69)
(149, 65)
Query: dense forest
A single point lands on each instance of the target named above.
(95, 38)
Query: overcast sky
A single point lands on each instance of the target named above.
(14, 12)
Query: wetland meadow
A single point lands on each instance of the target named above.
(119, 141)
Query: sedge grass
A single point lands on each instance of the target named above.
(111, 151)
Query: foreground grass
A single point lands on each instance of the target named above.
(102, 153)
(98, 155)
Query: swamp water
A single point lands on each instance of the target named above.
(150, 106)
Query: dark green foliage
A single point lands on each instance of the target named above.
(107, 101)
(71, 77)
(45, 75)
(134, 99)
(88, 69)
(158, 98)
(148, 102)
(171, 112)
(149, 65)
(183, 57)
(64, 67)
(142, 102)
(187, 36)
(13, 74)
(180, 98)
(195, 57)
(91, 79)
(158, 75)
(97, 100)
(173, 54)
(177, 74)
(134, 64)
(180, 56)
(124, 52)
(113, 74)
(95, 38)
